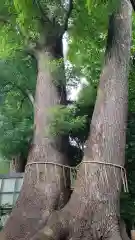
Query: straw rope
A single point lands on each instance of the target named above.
(75, 169)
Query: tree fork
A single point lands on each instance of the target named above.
(93, 209)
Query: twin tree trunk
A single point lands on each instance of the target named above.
(43, 191)
(93, 209)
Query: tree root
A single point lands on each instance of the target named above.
(56, 228)
(61, 225)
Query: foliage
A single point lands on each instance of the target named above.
(65, 121)
(88, 36)
(16, 111)
(112, 5)
(4, 166)
(26, 24)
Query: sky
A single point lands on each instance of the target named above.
(73, 91)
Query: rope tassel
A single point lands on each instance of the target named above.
(72, 170)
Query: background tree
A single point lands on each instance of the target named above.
(93, 209)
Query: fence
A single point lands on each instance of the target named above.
(10, 186)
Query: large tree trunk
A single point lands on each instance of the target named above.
(43, 190)
(93, 209)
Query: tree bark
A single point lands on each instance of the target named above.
(93, 209)
(17, 164)
(43, 190)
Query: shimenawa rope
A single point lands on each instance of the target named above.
(123, 171)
